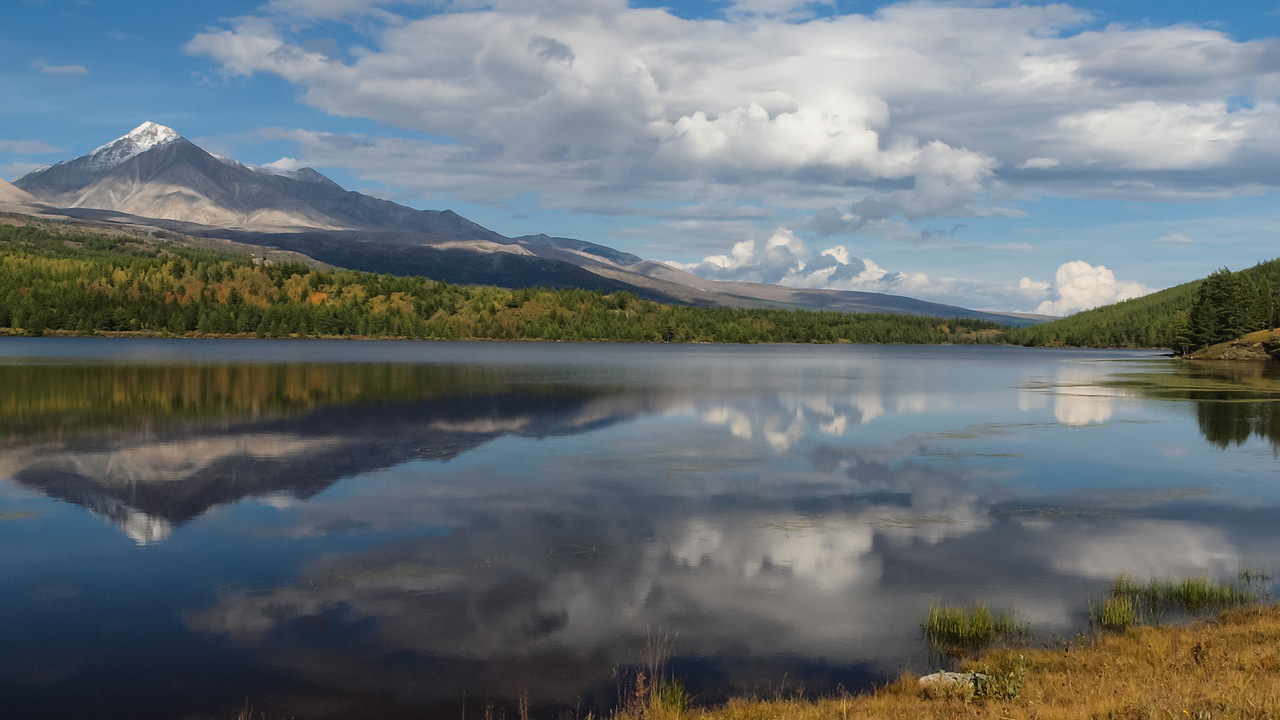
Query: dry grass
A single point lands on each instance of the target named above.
(1225, 668)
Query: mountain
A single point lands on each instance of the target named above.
(154, 176)
(149, 471)
(10, 195)
(155, 173)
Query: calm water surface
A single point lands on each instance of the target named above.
(350, 529)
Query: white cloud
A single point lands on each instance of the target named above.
(1080, 286)
(777, 8)
(785, 259)
(1148, 135)
(637, 97)
(286, 164)
(27, 147)
(862, 123)
(1039, 163)
(932, 99)
(1174, 239)
(59, 70)
(1033, 290)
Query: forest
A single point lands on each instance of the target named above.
(1221, 307)
(55, 280)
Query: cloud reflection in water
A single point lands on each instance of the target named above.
(792, 515)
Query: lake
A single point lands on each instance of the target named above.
(407, 529)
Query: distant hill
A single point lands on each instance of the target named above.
(11, 196)
(1159, 320)
(1147, 322)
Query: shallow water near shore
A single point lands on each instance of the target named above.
(401, 529)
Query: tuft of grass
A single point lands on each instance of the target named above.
(652, 692)
(669, 697)
(1116, 612)
(1200, 594)
(1130, 603)
(947, 626)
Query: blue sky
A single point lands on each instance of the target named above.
(997, 155)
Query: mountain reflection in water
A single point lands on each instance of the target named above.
(163, 445)
(409, 535)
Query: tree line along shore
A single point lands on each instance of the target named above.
(54, 282)
(57, 280)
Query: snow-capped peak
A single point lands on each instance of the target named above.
(141, 139)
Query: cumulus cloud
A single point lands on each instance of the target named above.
(774, 89)
(785, 259)
(1080, 286)
(631, 97)
(866, 124)
(1032, 289)
(934, 98)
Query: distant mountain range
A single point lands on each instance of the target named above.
(153, 177)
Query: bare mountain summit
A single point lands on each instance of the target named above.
(154, 176)
(154, 172)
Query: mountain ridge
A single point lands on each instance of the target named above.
(155, 175)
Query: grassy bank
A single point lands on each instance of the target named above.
(1227, 667)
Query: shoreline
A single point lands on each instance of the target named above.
(153, 335)
(1224, 666)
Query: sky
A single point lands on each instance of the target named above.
(1021, 156)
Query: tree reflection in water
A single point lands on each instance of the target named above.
(1227, 423)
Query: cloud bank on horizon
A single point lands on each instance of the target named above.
(778, 140)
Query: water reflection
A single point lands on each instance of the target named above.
(1234, 401)
(430, 536)
(533, 584)
(575, 576)
(154, 447)
(1226, 423)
